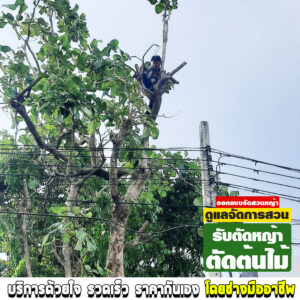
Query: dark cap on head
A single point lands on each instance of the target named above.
(156, 58)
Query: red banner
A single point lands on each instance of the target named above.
(247, 201)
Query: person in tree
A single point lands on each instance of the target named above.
(151, 76)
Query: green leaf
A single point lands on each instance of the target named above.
(200, 232)
(198, 201)
(159, 8)
(65, 237)
(41, 21)
(154, 132)
(87, 111)
(234, 193)
(114, 44)
(33, 183)
(58, 210)
(91, 246)
(163, 194)
(153, 1)
(22, 5)
(81, 235)
(92, 126)
(88, 268)
(59, 117)
(45, 239)
(9, 17)
(5, 49)
(10, 6)
(76, 210)
(94, 43)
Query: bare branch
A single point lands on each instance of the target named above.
(36, 3)
(79, 264)
(177, 69)
(54, 251)
(99, 172)
(141, 237)
(51, 22)
(101, 191)
(143, 61)
(166, 18)
(61, 136)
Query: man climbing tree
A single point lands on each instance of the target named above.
(151, 76)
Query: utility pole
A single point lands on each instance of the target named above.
(208, 195)
(206, 168)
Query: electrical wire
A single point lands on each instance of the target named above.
(98, 156)
(106, 148)
(32, 163)
(84, 201)
(260, 180)
(256, 161)
(17, 213)
(255, 170)
(258, 191)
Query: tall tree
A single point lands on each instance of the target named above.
(84, 110)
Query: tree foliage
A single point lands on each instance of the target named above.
(96, 187)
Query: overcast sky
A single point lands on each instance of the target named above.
(242, 74)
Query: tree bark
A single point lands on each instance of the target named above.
(115, 255)
(66, 250)
(24, 230)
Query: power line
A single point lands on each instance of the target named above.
(258, 191)
(105, 148)
(32, 163)
(222, 153)
(98, 156)
(17, 213)
(255, 170)
(84, 201)
(260, 180)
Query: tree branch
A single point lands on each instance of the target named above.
(141, 237)
(61, 136)
(99, 172)
(92, 145)
(22, 111)
(166, 18)
(79, 264)
(53, 251)
(36, 3)
(143, 61)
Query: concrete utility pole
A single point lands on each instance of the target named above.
(207, 191)
(208, 195)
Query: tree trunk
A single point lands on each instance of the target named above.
(115, 255)
(24, 230)
(66, 251)
(67, 259)
(26, 248)
(156, 104)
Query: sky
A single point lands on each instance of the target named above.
(242, 75)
